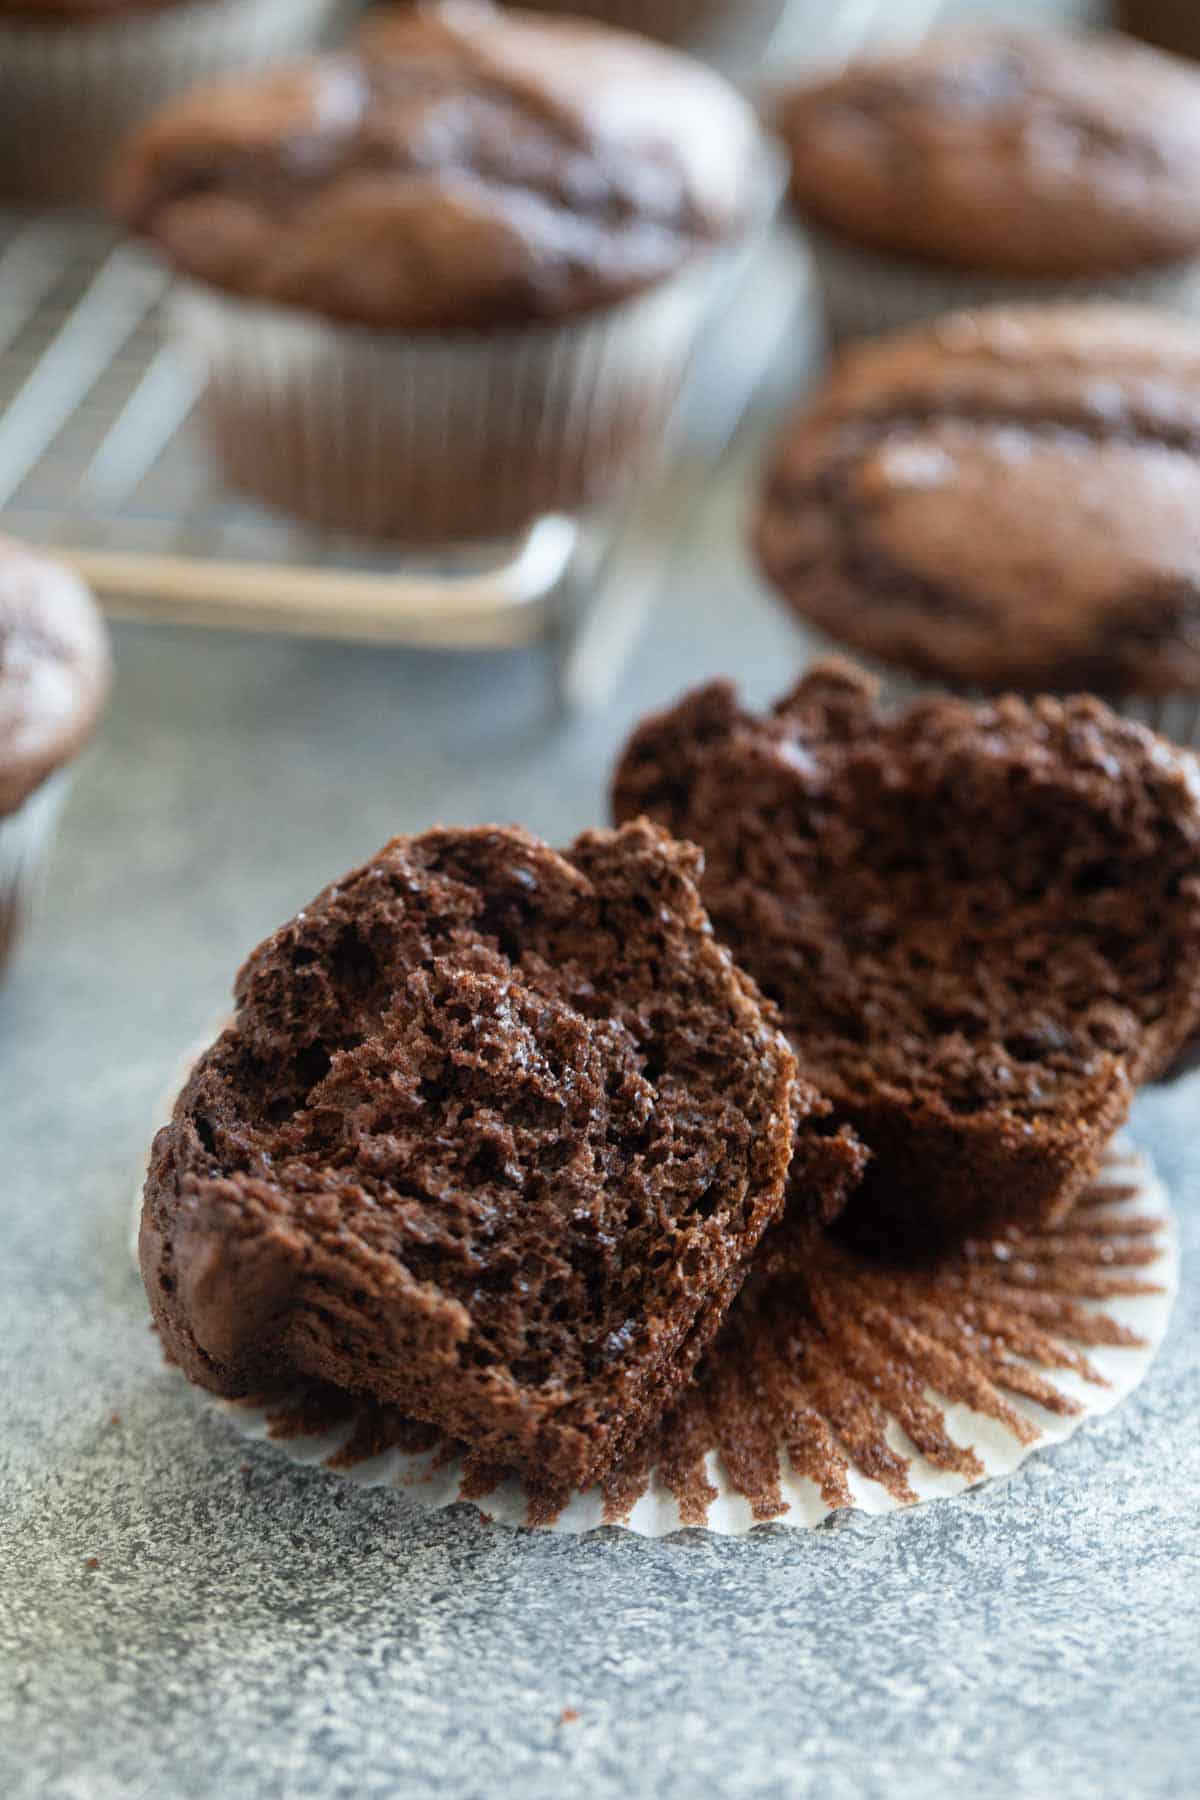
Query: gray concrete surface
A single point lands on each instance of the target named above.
(251, 1629)
(254, 1629)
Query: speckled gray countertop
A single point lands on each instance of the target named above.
(254, 1629)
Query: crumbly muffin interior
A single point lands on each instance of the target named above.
(965, 914)
(532, 1083)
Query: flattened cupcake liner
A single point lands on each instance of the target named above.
(1174, 716)
(429, 437)
(844, 1385)
(25, 836)
(70, 91)
(863, 293)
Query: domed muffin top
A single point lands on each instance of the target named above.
(1032, 153)
(1009, 498)
(457, 167)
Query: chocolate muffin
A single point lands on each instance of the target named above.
(980, 923)
(492, 1137)
(992, 165)
(1005, 500)
(54, 675)
(449, 279)
(76, 75)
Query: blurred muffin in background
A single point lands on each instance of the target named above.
(1005, 501)
(450, 279)
(75, 75)
(733, 31)
(1171, 24)
(989, 166)
(54, 676)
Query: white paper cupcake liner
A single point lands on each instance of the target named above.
(430, 437)
(25, 836)
(70, 91)
(872, 1389)
(863, 293)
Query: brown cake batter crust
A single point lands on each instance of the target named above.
(1008, 498)
(459, 167)
(1032, 153)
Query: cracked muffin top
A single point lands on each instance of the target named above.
(1032, 153)
(54, 670)
(1003, 499)
(457, 167)
(492, 1137)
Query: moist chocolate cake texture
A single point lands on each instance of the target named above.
(980, 923)
(459, 167)
(492, 1139)
(1007, 498)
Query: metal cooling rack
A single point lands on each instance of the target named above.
(100, 461)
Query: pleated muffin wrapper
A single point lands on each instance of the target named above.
(25, 837)
(1175, 717)
(434, 437)
(70, 90)
(837, 1383)
(867, 293)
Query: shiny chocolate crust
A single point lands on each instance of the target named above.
(492, 1138)
(458, 167)
(1003, 499)
(1017, 153)
(54, 670)
(980, 923)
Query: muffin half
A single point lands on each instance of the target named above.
(980, 923)
(493, 1137)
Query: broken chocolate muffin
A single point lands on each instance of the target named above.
(980, 922)
(492, 1137)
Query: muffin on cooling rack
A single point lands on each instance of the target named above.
(54, 674)
(1006, 500)
(450, 279)
(75, 75)
(995, 165)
